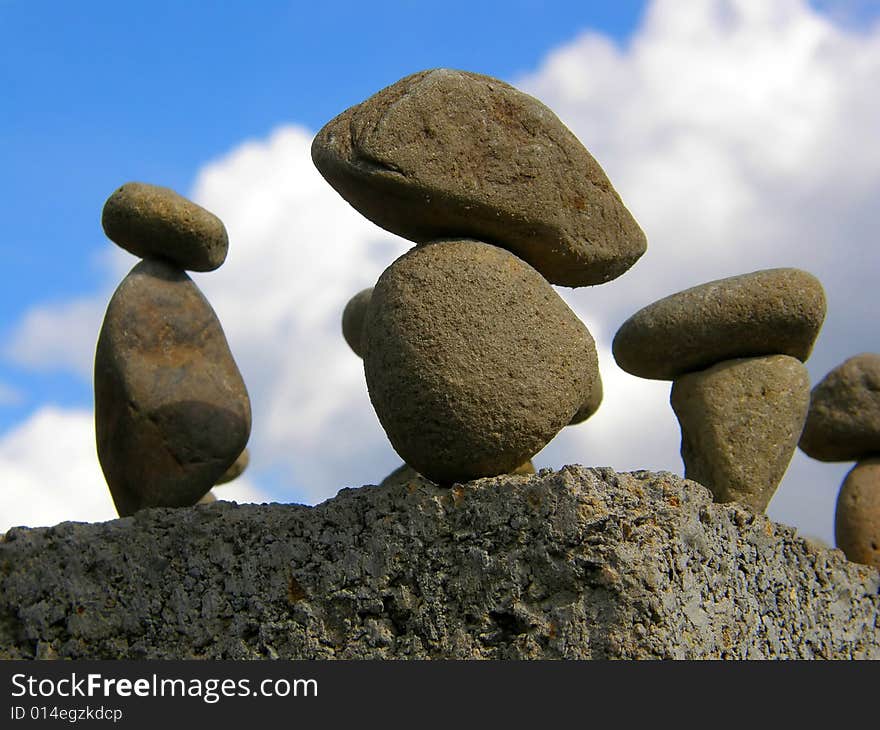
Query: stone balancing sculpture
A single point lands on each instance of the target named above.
(843, 424)
(473, 362)
(172, 413)
(733, 349)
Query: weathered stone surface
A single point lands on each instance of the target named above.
(405, 474)
(740, 424)
(237, 468)
(857, 519)
(353, 320)
(579, 564)
(452, 154)
(155, 222)
(591, 405)
(769, 312)
(473, 362)
(171, 410)
(843, 423)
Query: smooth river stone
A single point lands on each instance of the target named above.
(171, 410)
(451, 154)
(857, 519)
(769, 312)
(844, 419)
(237, 469)
(155, 222)
(740, 424)
(473, 362)
(353, 320)
(591, 405)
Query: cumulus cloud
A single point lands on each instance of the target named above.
(741, 134)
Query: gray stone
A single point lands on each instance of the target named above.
(575, 564)
(353, 320)
(591, 405)
(237, 469)
(740, 424)
(450, 154)
(171, 410)
(844, 419)
(405, 474)
(857, 518)
(473, 362)
(769, 312)
(155, 222)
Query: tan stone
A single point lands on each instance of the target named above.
(451, 154)
(353, 320)
(237, 469)
(769, 312)
(473, 362)
(740, 423)
(857, 520)
(844, 419)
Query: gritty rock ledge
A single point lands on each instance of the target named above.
(579, 563)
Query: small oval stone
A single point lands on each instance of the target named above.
(768, 312)
(844, 419)
(591, 405)
(857, 518)
(451, 154)
(473, 362)
(171, 410)
(155, 222)
(353, 320)
(740, 423)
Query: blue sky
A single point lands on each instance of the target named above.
(196, 96)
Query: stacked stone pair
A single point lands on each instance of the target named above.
(843, 424)
(733, 349)
(172, 414)
(473, 362)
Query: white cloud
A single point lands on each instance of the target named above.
(741, 134)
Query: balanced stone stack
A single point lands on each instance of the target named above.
(172, 413)
(843, 424)
(734, 350)
(473, 362)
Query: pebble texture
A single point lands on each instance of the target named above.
(740, 424)
(769, 312)
(171, 409)
(151, 221)
(452, 154)
(353, 320)
(473, 362)
(844, 419)
(857, 519)
(578, 564)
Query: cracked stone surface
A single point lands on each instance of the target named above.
(451, 154)
(579, 563)
(172, 412)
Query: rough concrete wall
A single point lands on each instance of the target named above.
(579, 563)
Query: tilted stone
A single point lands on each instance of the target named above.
(155, 222)
(740, 423)
(774, 311)
(171, 409)
(451, 154)
(857, 518)
(844, 419)
(353, 320)
(473, 362)
(237, 469)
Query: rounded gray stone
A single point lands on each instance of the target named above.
(171, 410)
(451, 154)
(857, 517)
(591, 405)
(844, 419)
(768, 312)
(740, 424)
(353, 320)
(155, 222)
(473, 362)
(237, 469)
